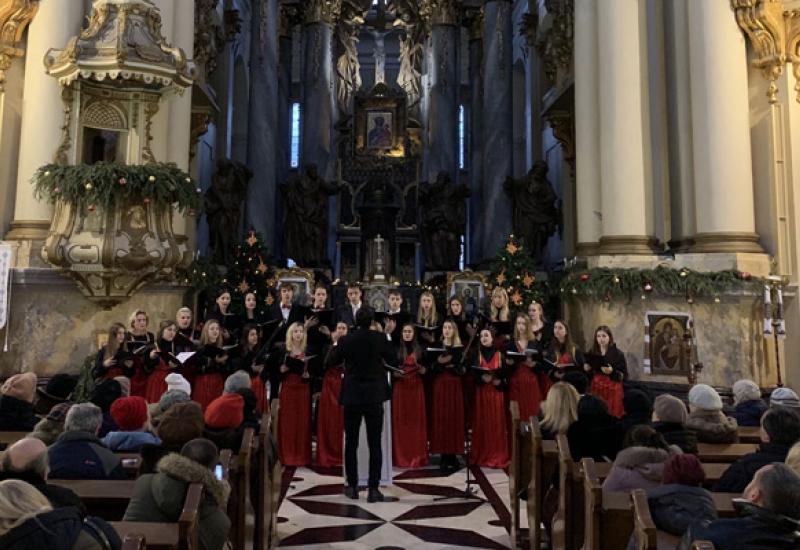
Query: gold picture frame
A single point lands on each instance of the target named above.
(380, 123)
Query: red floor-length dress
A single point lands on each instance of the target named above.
(610, 391)
(156, 385)
(258, 386)
(140, 375)
(294, 420)
(447, 407)
(330, 420)
(209, 380)
(409, 423)
(489, 426)
(523, 387)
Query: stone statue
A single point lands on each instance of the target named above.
(223, 202)
(348, 68)
(536, 214)
(444, 218)
(305, 218)
(411, 53)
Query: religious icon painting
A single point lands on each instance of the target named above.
(379, 130)
(302, 281)
(380, 119)
(665, 332)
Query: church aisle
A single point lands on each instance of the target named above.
(314, 514)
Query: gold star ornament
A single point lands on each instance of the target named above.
(251, 240)
(501, 278)
(511, 248)
(528, 280)
(243, 286)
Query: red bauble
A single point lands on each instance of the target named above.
(585, 277)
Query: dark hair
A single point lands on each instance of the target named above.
(637, 403)
(201, 450)
(285, 284)
(320, 286)
(780, 488)
(222, 290)
(395, 292)
(364, 317)
(644, 436)
(602, 328)
(246, 332)
(354, 284)
(578, 380)
(591, 405)
(782, 426)
(163, 325)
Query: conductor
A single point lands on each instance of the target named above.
(364, 389)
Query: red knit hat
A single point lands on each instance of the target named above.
(225, 412)
(129, 413)
(684, 469)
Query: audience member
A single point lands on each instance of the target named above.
(179, 424)
(793, 458)
(78, 453)
(784, 397)
(748, 407)
(104, 394)
(131, 416)
(57, 390)
(780, 429)
(124, 385)
(638, 409)
(17, 413)
(577, 380)
(159, 497)
(560, 409)
(596, 433)
(768, 517)
(26, 460)
(176, 381)
(50, 427)
(28, 522)
(669, 419)
(640, 464)
(706, 418)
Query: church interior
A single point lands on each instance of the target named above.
(604, 187)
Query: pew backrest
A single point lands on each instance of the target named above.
(644, 529)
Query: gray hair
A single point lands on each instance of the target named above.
(780, 488)
(172, 397)
(239, 380)
(84, 417)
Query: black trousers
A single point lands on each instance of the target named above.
(373, 416)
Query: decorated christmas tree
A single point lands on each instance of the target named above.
(515, 271)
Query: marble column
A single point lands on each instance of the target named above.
(283, 141)
(475, 125)
(498, 157)
(42, 115)
(442, 128)
(262, 140)
(587, 129)
(319, 95)
(622, 178)
(162, 137)
(721, 130)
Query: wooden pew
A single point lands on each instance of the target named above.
(9, 438)
(133, 542)
(240, 487)
(645, 533)
(543, 459)
(749, 434)
(262, 505)
(725, 452)
(567, 531)
(519, 468)
(168, 536)
(107, 499)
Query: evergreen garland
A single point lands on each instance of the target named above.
(109, 184)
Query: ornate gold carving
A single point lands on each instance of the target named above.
(150, 110)
(322, 11)
(763, 22)
(563, 124)
(439, 12)
(28, 230)
(208, 36)
(14, 18)
(106, 115)
(552, 36)
(201, 118)
(61, 156)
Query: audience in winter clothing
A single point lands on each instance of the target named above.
(17, 394)
(131, 416)
(706, 417)
(669, 419)
(748, 407)
(640, 464)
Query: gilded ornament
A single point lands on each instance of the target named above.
(15, 15)
(322, 11)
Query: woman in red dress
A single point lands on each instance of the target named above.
(523, 386)
(330, 419)
(294, 416)
(251, 361)
(409, 422)
(563, 355)
(543, 335)
(499, 312)
(164, 362)
(609, 370)
(427, 316)
(211, 365)
(144, 342)
(447, 400)
(113, 358)
(489, 446)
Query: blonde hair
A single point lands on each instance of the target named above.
(184, 310)
(432, 318)
(560, 408)
(205, 339)
(528, 328)
(793, 458)
(290, 342)
(456, 340)
(19, 501)
(502, 313)
(135, 314)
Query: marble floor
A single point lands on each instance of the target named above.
(314, 514)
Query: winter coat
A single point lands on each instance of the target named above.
(596, 436)
(59, 497)
(713, 426)
(636, 468)
(80, 455)
(159, 497)
(741, 472)
(129, 441)
(755, 528)
(749, 413)
(61, 529)
(16, 415)
(47, 431)
(677, 434)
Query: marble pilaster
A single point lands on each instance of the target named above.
(475, 126)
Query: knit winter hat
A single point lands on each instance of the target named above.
(704, 397)
(124, 385)
(20, 386)
(170, 398)
(239, 380)
(181, 423)
(177, 382)
(784, 397)
(129, 413)
(684, 469)
(670, 409)
(225, 412)
(745, 390)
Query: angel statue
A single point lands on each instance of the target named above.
(348, 69)
(411, 51)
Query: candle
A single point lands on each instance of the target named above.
(767, 311)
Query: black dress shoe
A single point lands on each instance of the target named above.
(351, 492)
(375, 496)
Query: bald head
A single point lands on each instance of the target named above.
(26, 455)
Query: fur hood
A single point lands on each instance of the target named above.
(635, 457)
(189, 471)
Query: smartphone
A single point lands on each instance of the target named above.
(218, 471)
